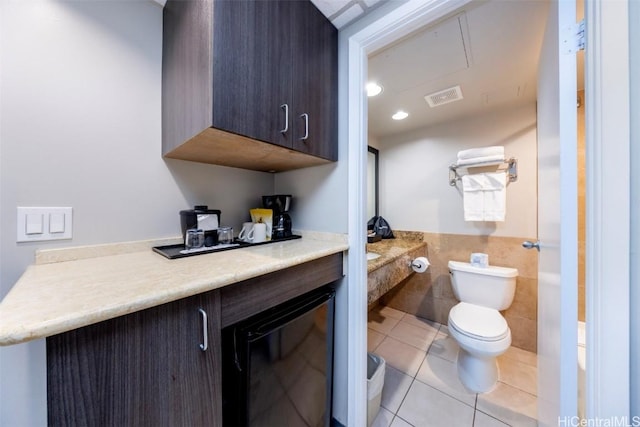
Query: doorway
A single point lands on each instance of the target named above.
(358, 40)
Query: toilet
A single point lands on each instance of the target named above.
(476, 323)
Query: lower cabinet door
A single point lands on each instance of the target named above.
(157, 367)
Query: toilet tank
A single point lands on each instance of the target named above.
(491, 286)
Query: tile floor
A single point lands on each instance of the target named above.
(421, 385)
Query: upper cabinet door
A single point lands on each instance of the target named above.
(251, 76)
(315, 84)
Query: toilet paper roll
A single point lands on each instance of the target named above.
(420, 264)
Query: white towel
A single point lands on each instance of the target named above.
(484, 196)
(473, 197)
(472, 153)
(480, 160)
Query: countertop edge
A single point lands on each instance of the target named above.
(386, 258)
(14, 333)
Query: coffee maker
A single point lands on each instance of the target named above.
(279, 204)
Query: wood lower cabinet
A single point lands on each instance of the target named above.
(143, 369)
(147, 368)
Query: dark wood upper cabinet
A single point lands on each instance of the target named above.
(250, 84)
(315, 79)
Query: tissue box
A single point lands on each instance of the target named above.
(479, 260)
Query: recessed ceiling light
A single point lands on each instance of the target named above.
(373, 89)
(400, 115)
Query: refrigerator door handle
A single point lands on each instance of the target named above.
(287, 316)
(236, 358)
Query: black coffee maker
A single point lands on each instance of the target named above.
(279, 204)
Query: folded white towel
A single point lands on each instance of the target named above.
(484, 196)
(472, 153)
(480, 160)
(473, 197)
(495, 196)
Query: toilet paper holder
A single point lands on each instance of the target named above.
(420, 264)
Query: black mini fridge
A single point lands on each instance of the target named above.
(278, 365)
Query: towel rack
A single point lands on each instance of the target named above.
(511, 171)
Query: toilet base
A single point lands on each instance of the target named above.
(478, 374)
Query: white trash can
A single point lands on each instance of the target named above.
(375, 382)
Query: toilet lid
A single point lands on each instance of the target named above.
(478, 322)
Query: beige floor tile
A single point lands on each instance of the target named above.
(444, 329)
(374, 338)
(483, 420)
(401, 356)
(396, 386)
(288, 370)
(509, 405)
(444, 347)
(519, 375)
(280, 413)
(399, 422)
(421, 322)
(266, 387)
(308, 395)
(383, 419)
(413, 335)
(381, 323)
(442, 375)
(425, 406)
(523, 356)
(387, 311)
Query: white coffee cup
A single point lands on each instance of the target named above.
(244, 233)
(258, 233)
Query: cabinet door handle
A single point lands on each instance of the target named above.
(205, 338)
(285, 107)
(305, 116)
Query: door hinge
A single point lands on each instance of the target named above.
(573, 38)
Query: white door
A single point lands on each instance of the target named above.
(557, 220)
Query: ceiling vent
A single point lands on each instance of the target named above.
(445, 96)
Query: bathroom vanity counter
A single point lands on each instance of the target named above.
(71, 288)
(394, 263)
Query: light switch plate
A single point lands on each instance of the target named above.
(33, 223)
(36, 224)
(56, 222)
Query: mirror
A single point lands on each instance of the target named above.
(372, 182)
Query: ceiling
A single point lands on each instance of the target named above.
(490, 50)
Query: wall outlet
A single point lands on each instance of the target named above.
(36, 224)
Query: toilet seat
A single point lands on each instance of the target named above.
(477, 322)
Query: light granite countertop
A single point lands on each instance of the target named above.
(58, 295)
(394, 264)
(390, 250)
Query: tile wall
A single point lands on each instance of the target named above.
(429, 295)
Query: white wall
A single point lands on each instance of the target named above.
(80, 126)
(414, 187)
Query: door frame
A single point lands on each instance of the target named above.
(381, 27)
(607, 256)
(608, 203)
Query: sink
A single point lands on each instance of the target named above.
(372, 255)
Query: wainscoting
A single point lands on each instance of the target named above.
(429, 295)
